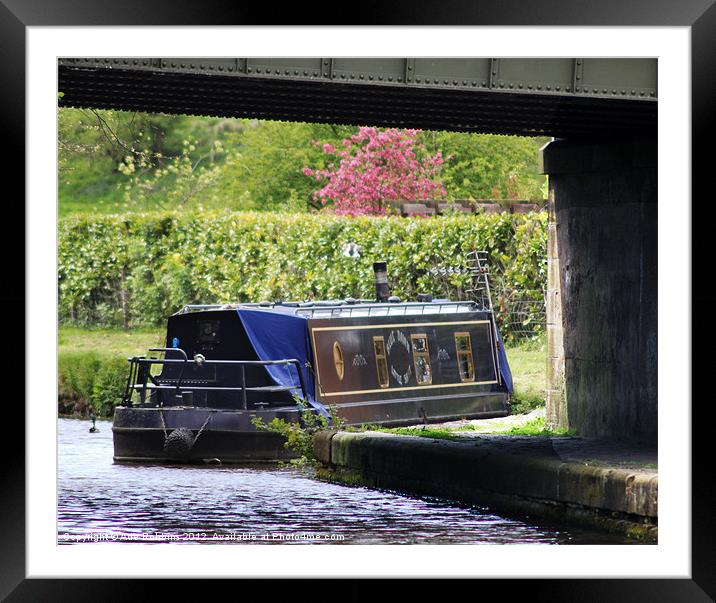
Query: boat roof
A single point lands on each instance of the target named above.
(347, 308)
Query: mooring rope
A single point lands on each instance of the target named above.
(164, 427)
(211, 413)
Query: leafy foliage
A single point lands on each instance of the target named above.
(114, 161)
(136, 269)
(299, 436)
(485, 166)
(270, 174)
(174, 183)
(90, 381)
(374, 166)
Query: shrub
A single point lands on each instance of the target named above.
(135, 269)
(373, 166)
(299, 436)
(90, 381)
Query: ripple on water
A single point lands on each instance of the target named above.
(99, 500)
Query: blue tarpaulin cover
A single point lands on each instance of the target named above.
(505, 371)
(277, 334)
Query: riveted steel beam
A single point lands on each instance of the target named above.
(600, 78)
(558, 97)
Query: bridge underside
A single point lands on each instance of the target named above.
(486, 111)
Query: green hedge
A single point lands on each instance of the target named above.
(135, 269)
(90, 381)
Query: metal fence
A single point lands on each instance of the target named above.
(521, 314)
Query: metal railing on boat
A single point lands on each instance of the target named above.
(355, 308)
(140, 370)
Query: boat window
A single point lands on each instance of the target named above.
(465, 363)
(381, 360)
(379, 311)
(338, 360)
(400, 310)
(421, 358)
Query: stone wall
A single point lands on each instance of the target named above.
(433, 207)
(602, 287)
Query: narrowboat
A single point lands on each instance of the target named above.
(385, 362)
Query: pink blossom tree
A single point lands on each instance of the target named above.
(374, 166)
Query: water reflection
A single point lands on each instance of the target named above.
(99, 501)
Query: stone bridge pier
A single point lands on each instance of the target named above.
(602, 287)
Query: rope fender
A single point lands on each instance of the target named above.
(179, 442)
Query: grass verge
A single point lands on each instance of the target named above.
(535, 427)
(92, 366)
(529, 372)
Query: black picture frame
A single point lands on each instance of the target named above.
(699, 15)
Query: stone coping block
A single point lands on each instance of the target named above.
(520, 466)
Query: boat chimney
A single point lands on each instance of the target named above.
(382, 291)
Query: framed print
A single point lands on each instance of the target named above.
(101, 57)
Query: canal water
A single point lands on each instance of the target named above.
(100, 501)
